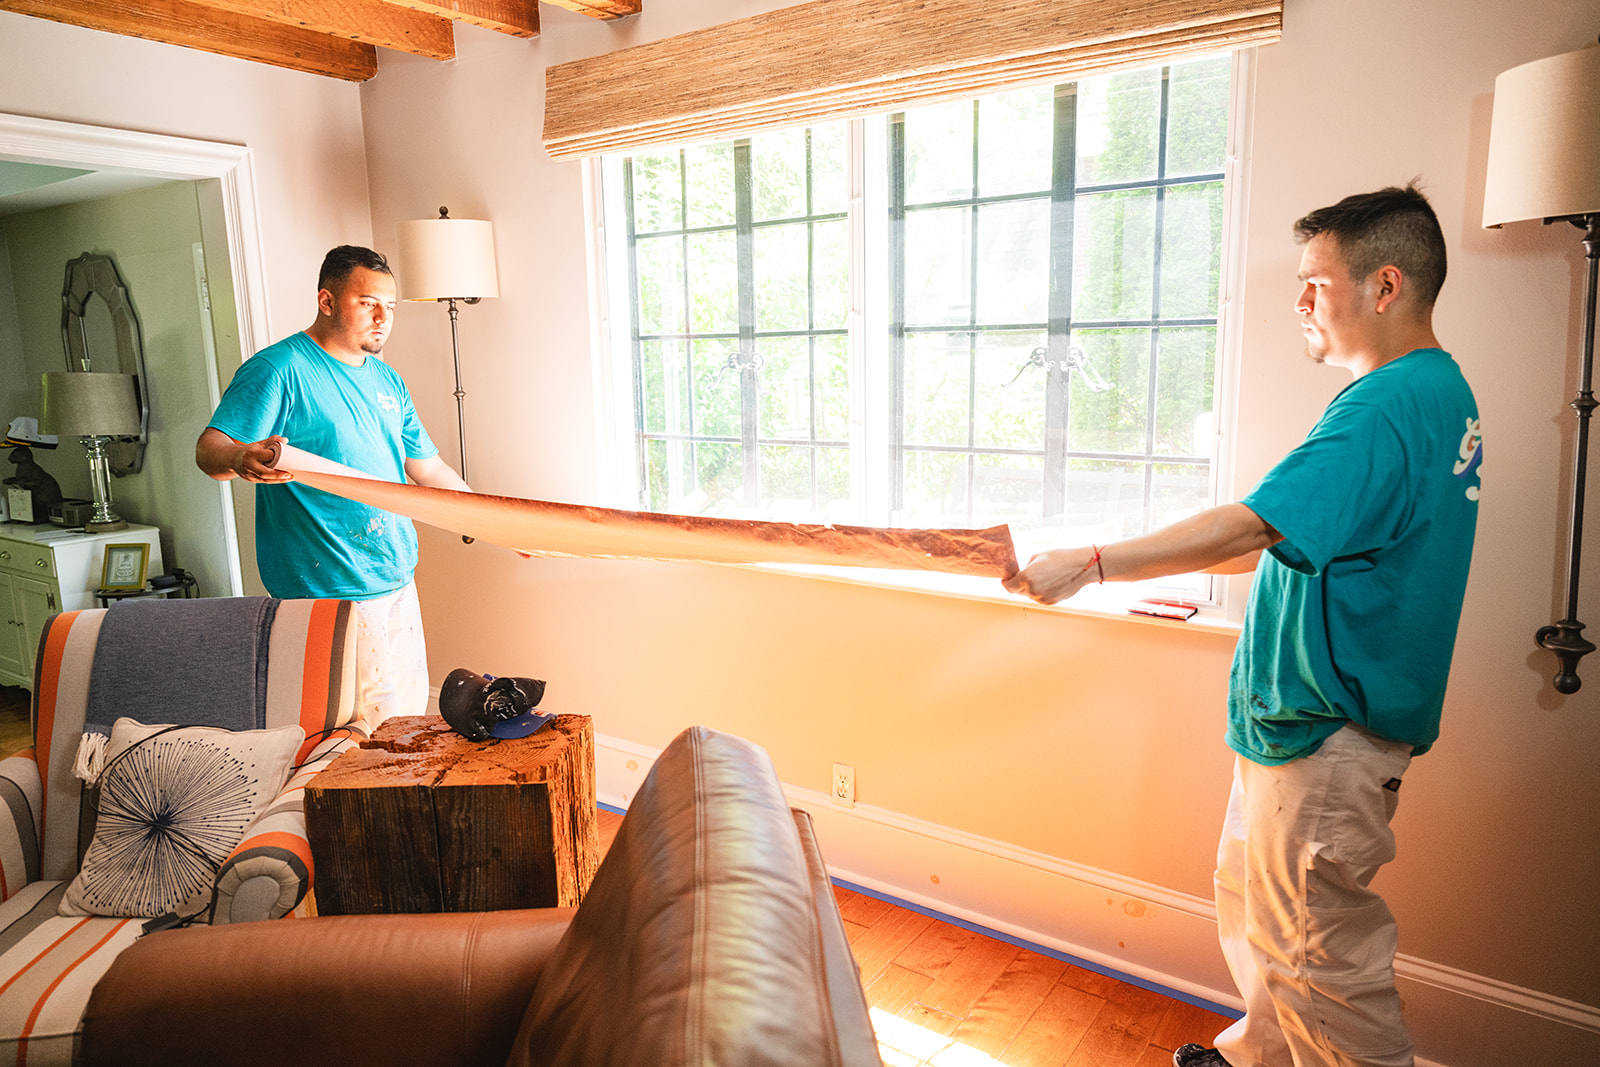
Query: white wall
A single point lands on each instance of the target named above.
(1086, 751)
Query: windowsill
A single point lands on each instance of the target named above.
(1097, 601)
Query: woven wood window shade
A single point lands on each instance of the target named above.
(831, 59)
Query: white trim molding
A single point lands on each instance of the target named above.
(1152, 934)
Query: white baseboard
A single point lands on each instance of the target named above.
(1148, 933)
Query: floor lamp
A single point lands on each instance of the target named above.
(96, 408)
(1544, 163)
(449, 260)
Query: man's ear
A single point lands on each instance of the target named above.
(325, 302)
(1388, 283)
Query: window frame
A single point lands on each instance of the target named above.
(1221, 606)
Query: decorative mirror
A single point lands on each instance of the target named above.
(101, 333)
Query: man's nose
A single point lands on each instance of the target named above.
(1306, 302)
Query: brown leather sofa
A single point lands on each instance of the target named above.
(710, 936)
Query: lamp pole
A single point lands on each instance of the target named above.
(1565, 638)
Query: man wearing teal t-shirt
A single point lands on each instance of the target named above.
(325, 391)
(1363, 535)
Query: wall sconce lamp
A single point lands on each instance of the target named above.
(448, 259)
(1544, 163)
(97, 408)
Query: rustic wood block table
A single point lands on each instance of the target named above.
(420, 819)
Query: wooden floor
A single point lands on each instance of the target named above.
(945, 996)
(15, 731)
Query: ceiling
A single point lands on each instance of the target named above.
(333, 38)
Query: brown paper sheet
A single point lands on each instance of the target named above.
(541, 527)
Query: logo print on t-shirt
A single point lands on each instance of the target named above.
(389, 403)
(1471, 452)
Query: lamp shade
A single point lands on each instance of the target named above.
(443, 258)
(1544, 141)
(88, 404)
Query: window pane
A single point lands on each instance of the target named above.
(832, 355)
(1183, 391)
(657, 489)
(709, 172)
(1113, 256)
(1006, 488)
(665, 386)
(939, 153)
(1119, 127)
(830, 168)
(1105, 498)
(778, 174)
(719, 479)
(937, 267)
(785, 482)
(1014, 262)
(1110, 419)
(713, 282)
(716, 388)
(1191, 250)
(830, 266)
(833, 485)
(660, 288)
(782, 276)
(1014, 142)
(656, 192)
(1197, 122)
(1010, 400)
(785, 388)
(935, 490)
(936, 388)
(1177, 491)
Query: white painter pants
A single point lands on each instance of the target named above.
(1310, 946)
(391, 656)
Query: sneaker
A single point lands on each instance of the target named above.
(1192, 1055)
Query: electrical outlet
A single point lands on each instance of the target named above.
(844, 785)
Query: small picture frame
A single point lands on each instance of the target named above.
(124, 567)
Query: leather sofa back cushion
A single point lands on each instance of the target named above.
(698, 942)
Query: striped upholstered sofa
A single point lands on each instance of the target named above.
(304, 674)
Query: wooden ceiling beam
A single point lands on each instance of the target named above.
(519, 18)
(601, 9)
(373, 22)
(193, 25)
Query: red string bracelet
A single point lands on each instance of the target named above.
(1094, 562)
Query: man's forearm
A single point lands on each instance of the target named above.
(1210, 540)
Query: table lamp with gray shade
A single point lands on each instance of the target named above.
(97, 408)
(1544, 163)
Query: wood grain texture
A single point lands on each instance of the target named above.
(195, 25)
(1034, 1011)
(421, 819)
(834, 58)
(519, 18)
(375, 22)
(601, 9)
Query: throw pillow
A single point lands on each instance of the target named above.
(174, 801)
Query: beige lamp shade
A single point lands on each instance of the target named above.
(1544, 142)
(447, 258)
(86, 404)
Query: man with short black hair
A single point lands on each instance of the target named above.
(323, 390)
(1364, 537)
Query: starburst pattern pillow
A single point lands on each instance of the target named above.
(173, 803)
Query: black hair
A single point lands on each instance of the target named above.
(341, 262)
(1391, 227)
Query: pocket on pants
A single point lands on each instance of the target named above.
(1363, 796)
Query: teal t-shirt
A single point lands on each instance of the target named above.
(310, 543)
(1353, 614)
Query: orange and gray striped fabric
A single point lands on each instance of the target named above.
(49, 963)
